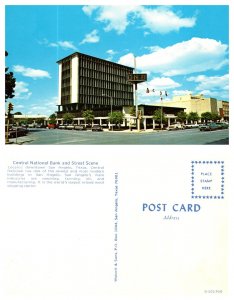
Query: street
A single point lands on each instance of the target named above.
(149, 137)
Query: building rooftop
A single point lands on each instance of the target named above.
(91, 57)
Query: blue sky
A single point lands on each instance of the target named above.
(183, 49)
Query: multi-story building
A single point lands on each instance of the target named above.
(87, 82)
(200, 104)
(223, 109)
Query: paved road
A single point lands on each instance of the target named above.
(72, 137)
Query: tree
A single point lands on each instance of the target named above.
(88, 116)
(193, 116)
(206, 116)
(18, 113)
(181, 116)
(116, 117)
(132, 111)
(52, 119)
(68, 118)
(159, 116)
(215, 117)
(9, 83)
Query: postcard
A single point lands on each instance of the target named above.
(116, 158)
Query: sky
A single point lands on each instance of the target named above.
(183, 48)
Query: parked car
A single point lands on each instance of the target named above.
(52, 126)
(222, 125)
(80, 127)
(97, 128)
(175, 126)
(40, 126)
(70, 127)
(14, 132)
(209, 127)
(190, 126)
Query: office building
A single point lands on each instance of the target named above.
(87, 82)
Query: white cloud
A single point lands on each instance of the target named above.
(44, 106)
(211, 82)
(195, 55)
(91, 37)
(218, 94)
(156, 85)
(181, 92)
(63, 44)
(162, 83)
(157, 20)
(111, 53)
(163, 20)
(21, 90)
(212, 86)
(115, 17)
(88, 9)
(29, 72)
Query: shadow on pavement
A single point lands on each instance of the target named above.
(220, 142)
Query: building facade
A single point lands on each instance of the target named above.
(200, 104)
(87, 82)
(223, 109)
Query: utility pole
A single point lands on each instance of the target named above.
(135, 79)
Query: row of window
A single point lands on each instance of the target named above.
(89, 82)
(122, 78)
(97, 100)
(66, 91)
(66, 65)
(103, 66)
(66, 82)
(65, 99)
(84, 90)
(66, 74)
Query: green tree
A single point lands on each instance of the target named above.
(193, 116)
(52, 119)
(68, 118)
(215, 117)
(116, 117)
(181, 116)
(88, 115)
(206, 116)
(159, 116)
(9, 83)
(132, 111)
(18, 113)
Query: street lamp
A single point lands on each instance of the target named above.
(111, 102)
(161, 98)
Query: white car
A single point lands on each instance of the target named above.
(176, 126)
(188, 126)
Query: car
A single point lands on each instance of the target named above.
(222, 125)
(80, 127)
(14, 132)
(97, 128)
(175, 126)
(52, 126)
(40, 126)
(70, 127)
(190, 126)
(209, 127)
